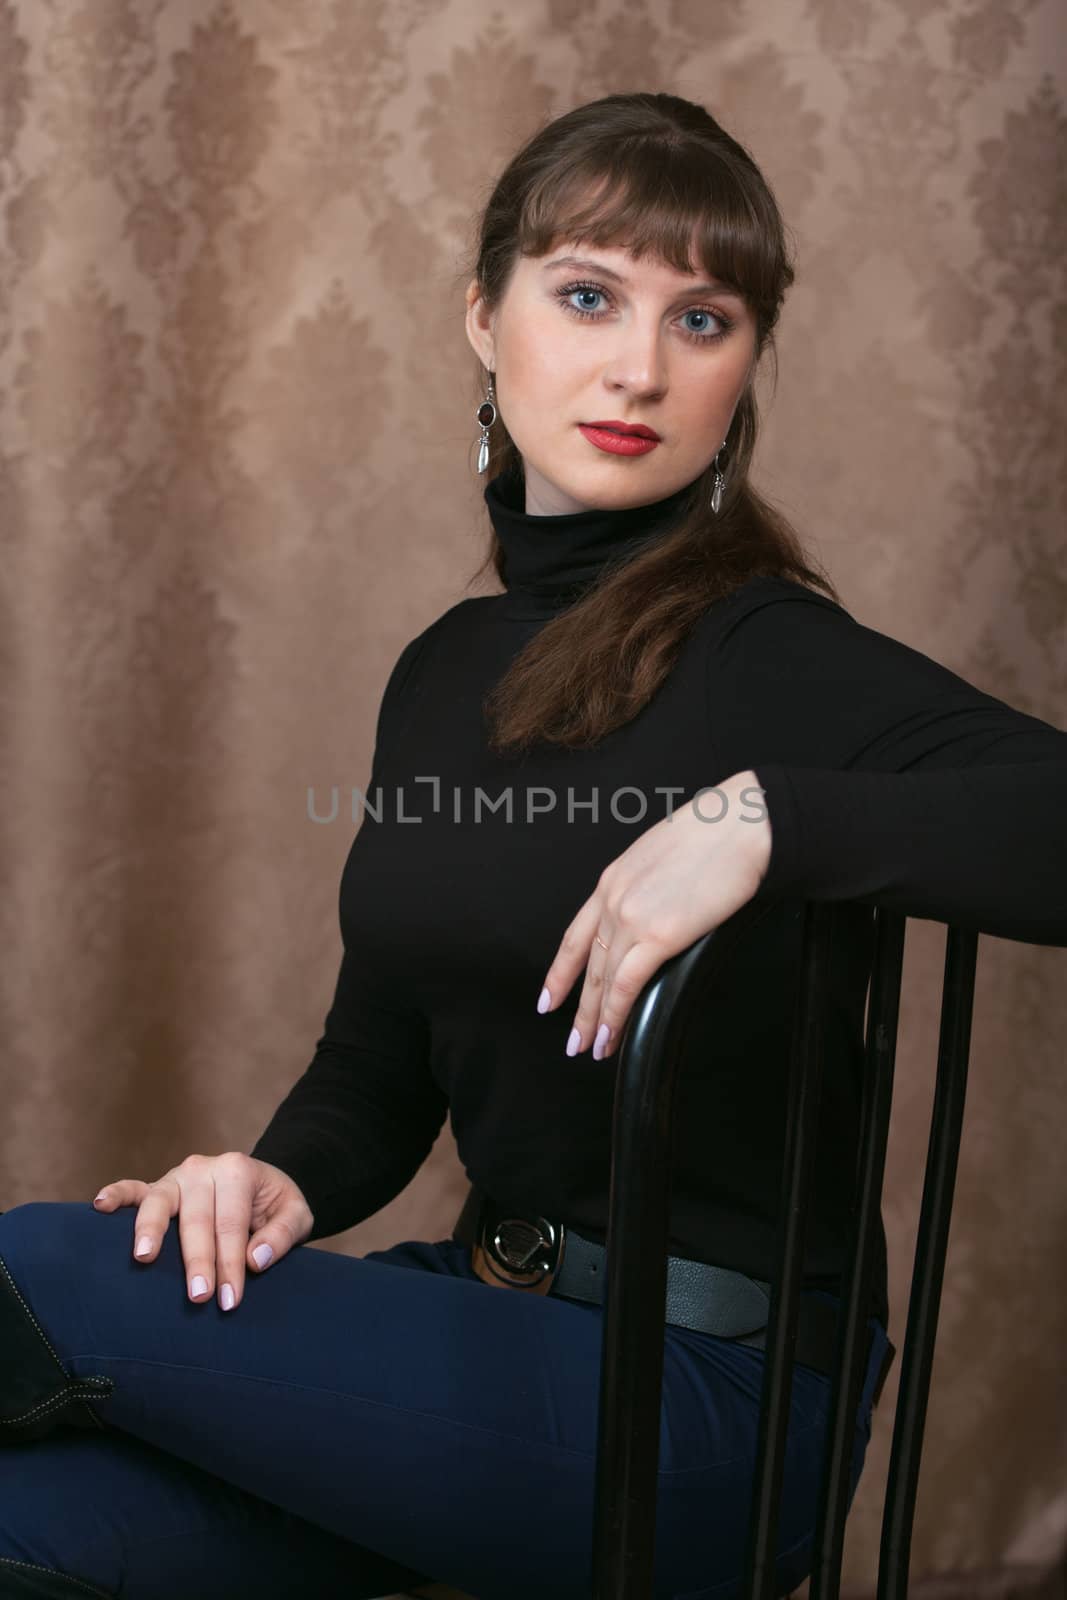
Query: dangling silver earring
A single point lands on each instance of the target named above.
(486, 416)
(720, 481)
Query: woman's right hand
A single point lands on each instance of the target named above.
(228, 1208)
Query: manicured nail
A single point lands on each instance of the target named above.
(226, 1297)
(603, 1034)
(198, 1286)
(144, 1246)
(544, 1000)
(574, 1042)
(262, 1255)
(101, 1196)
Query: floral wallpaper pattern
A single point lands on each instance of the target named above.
(236, 476)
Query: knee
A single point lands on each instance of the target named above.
(46, 1238)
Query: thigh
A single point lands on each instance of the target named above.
(721, 1491)
(127, 1519)
(417, 1413)
(422, 1414)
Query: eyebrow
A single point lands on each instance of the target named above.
(713, 286)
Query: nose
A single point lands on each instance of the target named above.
(638, 362)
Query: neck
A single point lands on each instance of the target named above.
(552, 558)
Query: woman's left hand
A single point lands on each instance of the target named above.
(682, 877)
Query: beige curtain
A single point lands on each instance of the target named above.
(236, 476)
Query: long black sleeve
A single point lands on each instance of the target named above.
(356, 1127)
(892, 780)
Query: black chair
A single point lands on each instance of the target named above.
(648, 1061)
(635, 1268)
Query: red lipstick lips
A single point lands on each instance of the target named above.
(620, 438)
(638, 428)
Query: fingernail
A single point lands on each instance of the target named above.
(262, 1255)
(226, 1297)
(144, 1247)
(603, 1034)
(544, 1000)
(198, 1286)
(574, 1042)
(100, 1196)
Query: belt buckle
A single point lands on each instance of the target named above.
(522, 1251)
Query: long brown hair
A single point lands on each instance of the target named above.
(649, 172)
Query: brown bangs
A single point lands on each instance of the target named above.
(652, 196)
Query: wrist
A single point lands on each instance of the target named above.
(746, 788)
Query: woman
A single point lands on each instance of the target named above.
(659, 720)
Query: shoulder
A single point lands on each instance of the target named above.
(776, 637)
(757, 594)
(424, 643)
(763, 612)
(411, 667)
(415, 659)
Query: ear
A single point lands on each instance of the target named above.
(479, 325)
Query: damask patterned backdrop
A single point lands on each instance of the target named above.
(237, 475)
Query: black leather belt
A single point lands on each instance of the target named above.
(523, 1249)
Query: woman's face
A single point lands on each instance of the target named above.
(667, 349)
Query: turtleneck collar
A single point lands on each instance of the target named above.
(549, 561)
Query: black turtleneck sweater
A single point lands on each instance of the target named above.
(887, 779)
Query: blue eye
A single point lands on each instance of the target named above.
(697, 311)
(565, 291)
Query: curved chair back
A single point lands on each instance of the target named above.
(636, 1273)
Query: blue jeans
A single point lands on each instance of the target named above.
(352, 1428)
